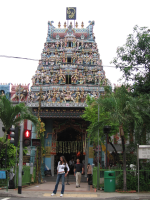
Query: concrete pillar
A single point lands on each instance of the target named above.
(52, 165)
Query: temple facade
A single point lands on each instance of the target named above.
(69, 70)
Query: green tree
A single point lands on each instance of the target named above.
(128, 111)
(12, 115)
(120, 109)
(133, 59)
(91, 115)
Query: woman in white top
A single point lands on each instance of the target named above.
(61, 174)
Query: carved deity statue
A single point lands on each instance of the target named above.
(20, 91)
(47, 79)
(61, 44)
(74, 42)
(62, 78)
(65, 41)
(68, 96)
(77, 96)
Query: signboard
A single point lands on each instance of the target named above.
(144, 152)
(90, 152)
(26, 159)
(36, 142)
(71, 13)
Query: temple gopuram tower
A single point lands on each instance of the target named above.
(70, 69)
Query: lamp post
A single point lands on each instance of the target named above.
(98, 177)
(106, 130)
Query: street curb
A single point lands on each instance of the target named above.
(11, 195)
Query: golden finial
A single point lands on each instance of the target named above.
(71, 24)
(59, 24)
(82, 25)
(76, 24)
(64, 24)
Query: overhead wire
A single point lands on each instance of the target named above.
(17, 57)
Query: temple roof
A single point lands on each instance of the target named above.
(86, 33)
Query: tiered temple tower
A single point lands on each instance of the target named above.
(70, 69)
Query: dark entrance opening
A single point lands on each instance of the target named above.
(69, 59)
(69, 44)
(69, 144)
(68, 79)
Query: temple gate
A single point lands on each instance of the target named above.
(69, 70)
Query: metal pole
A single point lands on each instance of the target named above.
(6, 152)
(138, 164)
(98, 147)
(16, 170)
(20, 161)
(106, 150)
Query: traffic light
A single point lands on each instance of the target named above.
(27, 138)
(14, 135)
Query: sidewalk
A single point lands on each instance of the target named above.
(85, 191)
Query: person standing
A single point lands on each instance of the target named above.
(71, 165)
(89, 172)
(62, 165)
(78, 169)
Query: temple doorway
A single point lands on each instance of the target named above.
(70, 145)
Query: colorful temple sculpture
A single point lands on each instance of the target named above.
(5, 89)
(70, 69)
(19, 93)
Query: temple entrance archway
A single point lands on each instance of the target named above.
(70, 145)
(69, 134)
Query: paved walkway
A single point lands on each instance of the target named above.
(85, 191)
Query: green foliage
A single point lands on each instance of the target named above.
(11, 154)
(8, 113)
(133, 59)
(132, 180)
(120, 109)
(91, 115)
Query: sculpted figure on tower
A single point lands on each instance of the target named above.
(70, 67)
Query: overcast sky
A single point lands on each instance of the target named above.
(23, 30)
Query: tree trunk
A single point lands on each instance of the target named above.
(124, 164)
(113, 148)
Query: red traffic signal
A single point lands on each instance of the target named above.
(27, 134)
(27, 138)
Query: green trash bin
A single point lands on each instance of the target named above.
(109, 181)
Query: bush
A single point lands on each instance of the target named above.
(132, 181)
(11, 154)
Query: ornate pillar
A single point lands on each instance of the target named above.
(53, 151)
(52, 165)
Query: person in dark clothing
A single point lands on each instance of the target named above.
(78, 169)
